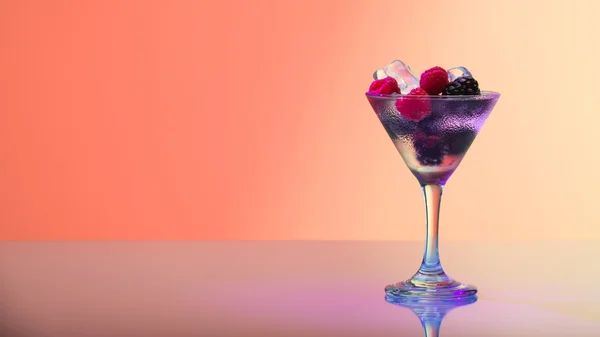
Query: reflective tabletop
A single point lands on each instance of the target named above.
(291, 288)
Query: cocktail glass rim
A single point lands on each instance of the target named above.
(483, 96)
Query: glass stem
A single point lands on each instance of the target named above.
(431, 327)
(431, 259)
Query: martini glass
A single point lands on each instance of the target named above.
(432, 148)
(432, 313)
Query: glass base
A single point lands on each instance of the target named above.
(415, 290)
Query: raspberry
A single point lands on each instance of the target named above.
(429, 149)
(465, 85)
(434, 80)
(384, 86)
(422, 140)
(414, 109)
(418, 92)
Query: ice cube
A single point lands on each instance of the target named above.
(456, 72)
(402, 73)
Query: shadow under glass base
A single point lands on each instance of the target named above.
(423, 287)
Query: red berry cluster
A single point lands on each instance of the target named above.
(432, 82)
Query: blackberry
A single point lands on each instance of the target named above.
(465, 85)
(430, 150)
(429, 159)
(459, 141)
(430, 125)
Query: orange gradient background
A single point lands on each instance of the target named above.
(247, 119)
